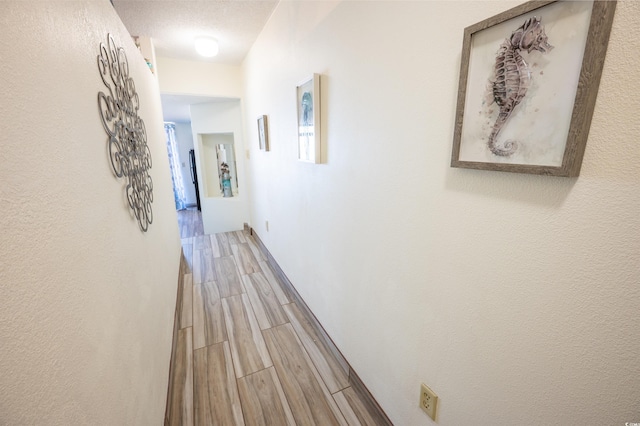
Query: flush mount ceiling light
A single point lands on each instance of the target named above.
(206, 46)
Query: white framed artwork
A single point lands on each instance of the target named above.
(308, 109)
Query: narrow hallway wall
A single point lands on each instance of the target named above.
(514, 297)
(87, 299)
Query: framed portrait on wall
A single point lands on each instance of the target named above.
(308, 108)
(528, 84)
(263, 133)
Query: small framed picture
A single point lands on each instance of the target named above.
(308, 105)
(528, 84)
(263, 132)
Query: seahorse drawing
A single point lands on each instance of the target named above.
(513, 77)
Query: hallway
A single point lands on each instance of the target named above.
(248, 351)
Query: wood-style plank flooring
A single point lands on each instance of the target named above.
(246, 351)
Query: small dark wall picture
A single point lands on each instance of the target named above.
(263, 133)
(528, 84)
(127, 148)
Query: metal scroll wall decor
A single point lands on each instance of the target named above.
(127, 138)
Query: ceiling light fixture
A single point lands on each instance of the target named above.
(206, 46)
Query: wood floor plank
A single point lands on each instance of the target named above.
(334, 373)
(215, 247)
(254, 249)
(223, 244)
(355, 410)
(282, 279)
(183, 225)
(247, 263)
(187, 301)
(349, 414)
(203, 266)
(215, 330)
(240, 236)
(265, 304)
(216, 399)
(201, 242)
(190, 223)
(198, 225)
(208, 317)
(227, 276)
(187, 250)
(275, 285)
(310, 401)
(232, 238)
(263, 400)
(181, 404)
(199, 340)
(248, 349)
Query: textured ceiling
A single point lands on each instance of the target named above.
(173, 25)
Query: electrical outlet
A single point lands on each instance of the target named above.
(428, 401)
(266, 225)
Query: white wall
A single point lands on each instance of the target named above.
(184, 140)
(514, 297)
(221, 214)
(177, 76)
(87, 300)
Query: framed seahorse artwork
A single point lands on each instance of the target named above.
(529, 79)
(308, 108)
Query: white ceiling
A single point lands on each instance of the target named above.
(174, 24)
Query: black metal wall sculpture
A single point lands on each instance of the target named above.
(127, 138)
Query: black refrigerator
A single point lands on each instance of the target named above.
(194, 176)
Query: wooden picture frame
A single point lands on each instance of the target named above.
(528, 83)
(263, 133)
(308, 109)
